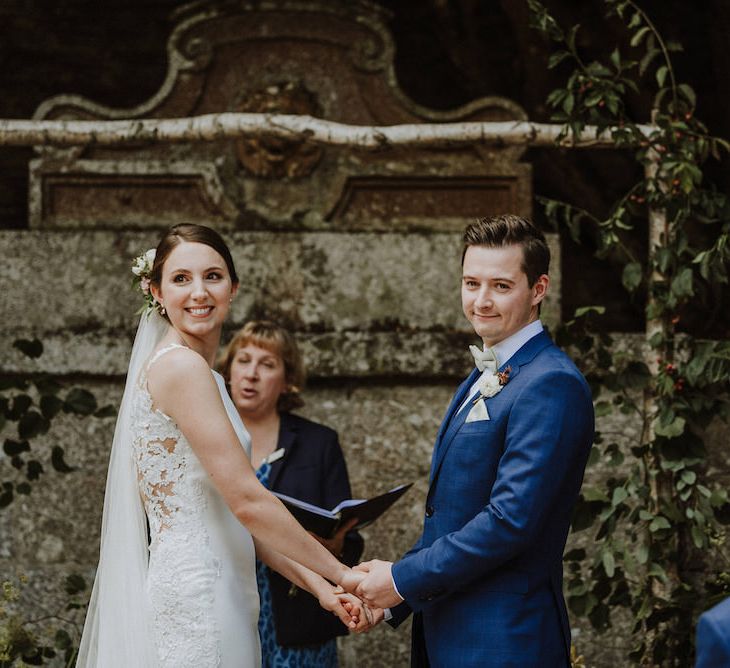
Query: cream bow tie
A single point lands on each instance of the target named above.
(484, 359)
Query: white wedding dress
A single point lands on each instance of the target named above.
(201, 589)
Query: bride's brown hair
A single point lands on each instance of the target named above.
(194, 233)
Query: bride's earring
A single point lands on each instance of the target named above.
(162, 310)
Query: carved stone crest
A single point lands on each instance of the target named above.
(269, 157)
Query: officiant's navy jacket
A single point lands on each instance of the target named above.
(312, 469)
(713, 637)
(485, 578)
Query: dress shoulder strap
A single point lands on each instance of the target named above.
(161, 352)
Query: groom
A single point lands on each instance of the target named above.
(485, 578)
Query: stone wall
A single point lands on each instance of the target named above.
(379, 319)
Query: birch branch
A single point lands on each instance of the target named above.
(212, 127)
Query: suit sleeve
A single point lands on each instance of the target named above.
(711, 649)
(337, 488)
(548, 436)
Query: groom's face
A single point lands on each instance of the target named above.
(495, 294)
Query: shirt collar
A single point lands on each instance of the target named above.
(505, 349)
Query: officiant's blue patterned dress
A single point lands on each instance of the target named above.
(274, 655)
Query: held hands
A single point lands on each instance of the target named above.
(377, 590)
(350, 610)
(351, 578)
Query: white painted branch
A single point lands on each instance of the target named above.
(213, 127)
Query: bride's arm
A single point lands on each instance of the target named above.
(350, 610)
(183, 387)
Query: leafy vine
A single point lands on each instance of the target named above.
(658, 519)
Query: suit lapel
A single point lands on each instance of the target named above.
(523, 356)
(287, 441)
(448, 421)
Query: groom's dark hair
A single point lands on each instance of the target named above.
(511, 230)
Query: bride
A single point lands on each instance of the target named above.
(180, 470)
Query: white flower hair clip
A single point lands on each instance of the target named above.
(142, 270)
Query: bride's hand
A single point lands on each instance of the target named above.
(342, 606)
(367, 617)
(351, 579)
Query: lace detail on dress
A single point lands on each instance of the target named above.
(182, 568)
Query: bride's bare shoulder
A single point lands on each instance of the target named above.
(175, 369)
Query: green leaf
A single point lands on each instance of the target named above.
(657, 570)
(568, 103)
(32, 424)
(594, 494)
(635, 20)
(688, 93)
(21, 404)
(609, 563)
(632, 276)
(14, 448)
(619, 496)
(682, 283)
(585, 513)
(6, 495)
(556, 58)
(577, 554)
(672, 430)
(639, 35)
(32, 348)
(46, 385)
(659, 523)
(698, 536)
(62, 640)
(33, 470)
(74, 584)
(58, 461)
(80, 401)
(642, 553)
(649, 56)
(585, 310)
(718, 497)
(582, 605)
(616, 58)
(661, 75)
(689, 477)
(603, 408)
(106, 411)
(570, 38)
(50, 406)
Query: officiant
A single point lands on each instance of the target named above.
(265, 373)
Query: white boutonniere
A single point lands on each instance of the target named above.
(489, 385)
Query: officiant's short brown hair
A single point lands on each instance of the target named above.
(279, 341)
(508, 230)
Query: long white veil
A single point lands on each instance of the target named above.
(117, 631)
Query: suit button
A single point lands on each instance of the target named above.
(429, 511)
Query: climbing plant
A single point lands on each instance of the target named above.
(32, 402)
(656, 518)
(30, 633)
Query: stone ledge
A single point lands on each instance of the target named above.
(349, 354)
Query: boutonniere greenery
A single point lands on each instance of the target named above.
(492, 383)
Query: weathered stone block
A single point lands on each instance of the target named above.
(365, 304)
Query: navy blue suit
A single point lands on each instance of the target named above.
(713, 637)
(485, 578)
(313, 470)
